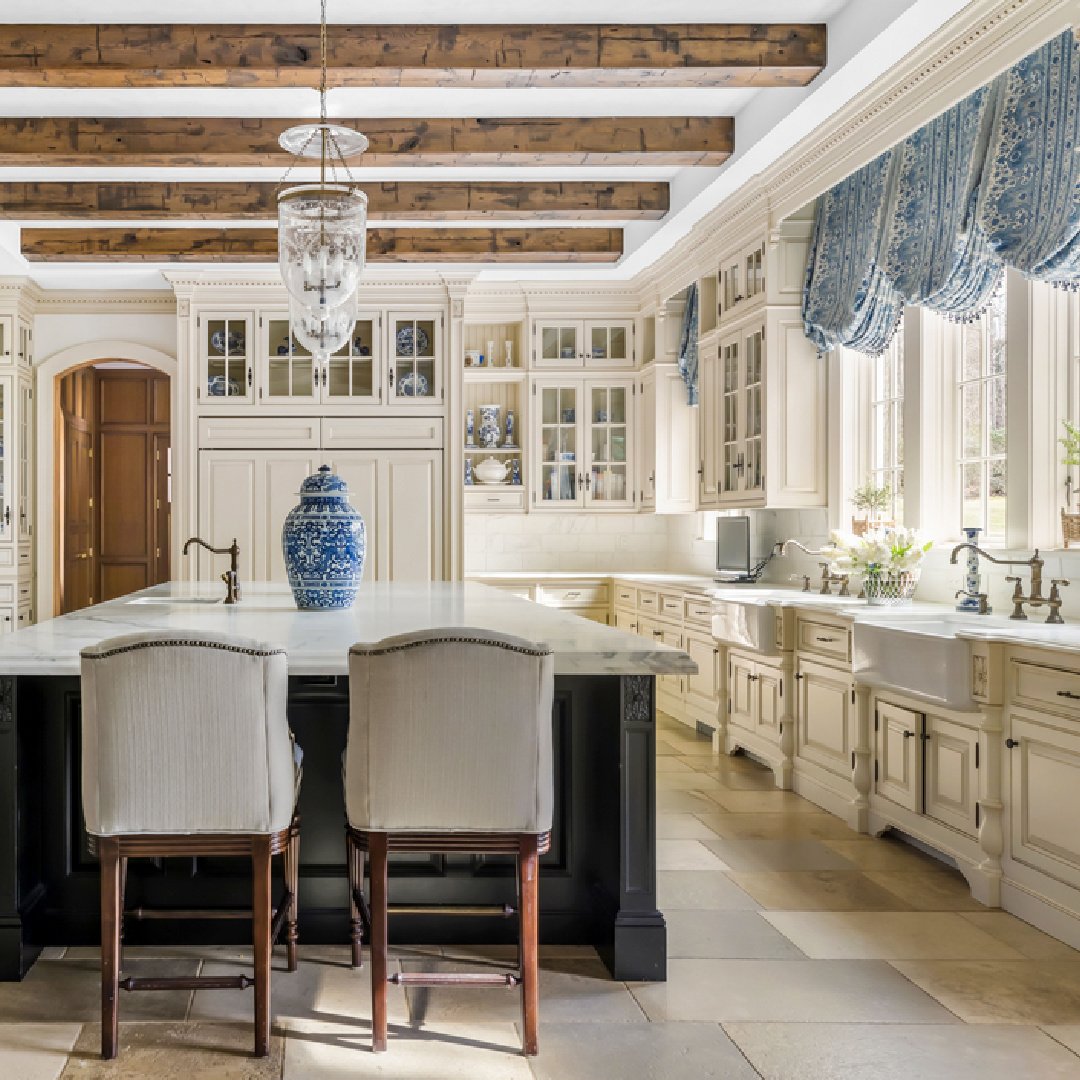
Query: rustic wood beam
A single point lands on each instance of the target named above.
(564, 245)
(426, 201)
(223, 141)
(702, 54)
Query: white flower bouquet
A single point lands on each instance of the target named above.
(888, 559)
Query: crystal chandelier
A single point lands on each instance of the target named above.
(322, 229)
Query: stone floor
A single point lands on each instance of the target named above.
(798, 951)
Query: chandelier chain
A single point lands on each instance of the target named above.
(322, 73)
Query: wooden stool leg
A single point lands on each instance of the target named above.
(528, 873)
(260, 866)
(355, 860)
(109, 856)
(291, 858)
(379, 938)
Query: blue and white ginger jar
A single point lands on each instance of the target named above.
(324, 544)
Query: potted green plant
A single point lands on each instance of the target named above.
(1070, 522)
(869, 500)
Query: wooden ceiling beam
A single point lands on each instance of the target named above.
(428, 201)
(702, 54)
(224, 141)
(562, 245)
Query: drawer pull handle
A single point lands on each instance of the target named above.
(798, 676)
(657, 633)
(1012, 743)
(824, 639)
(572, 595)
(1068, 694)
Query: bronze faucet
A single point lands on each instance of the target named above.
(232, 576)
(827, 577)
(1036, 599)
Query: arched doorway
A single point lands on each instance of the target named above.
(112, 481)
(49, 375)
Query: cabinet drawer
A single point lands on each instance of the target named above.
(698, 611)
(524, 591)
(592, 594)
(25, 555)
(671, 605)
(647, 601)
(381, 432)
(823, 639)
(24, 592)
(1050, 687)
(7, 593)
(498, 498)
(257, 433)
(625, 594)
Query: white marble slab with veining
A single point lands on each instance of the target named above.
(318, 642)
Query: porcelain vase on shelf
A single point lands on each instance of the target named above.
(515, 472)
(468, 472)
(509, 345)
(324, 544)
(509, 428)
(469, 440)
(489, 425)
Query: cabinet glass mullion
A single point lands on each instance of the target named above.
(558, 444)
(729, 397)
(752, 431)
(413, 345)
(607, 444)
(290, 368)
(351, 370)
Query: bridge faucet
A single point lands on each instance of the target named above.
(1036, 599)
(232, 576)
(827, 576)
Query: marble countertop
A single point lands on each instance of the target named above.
(318, 642)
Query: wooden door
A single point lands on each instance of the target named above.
(132, 425)
(75, 490)
(898, 761)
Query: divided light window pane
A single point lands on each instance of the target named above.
(886, 426)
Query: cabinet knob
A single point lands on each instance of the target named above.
(909, 734)
(1012, 743)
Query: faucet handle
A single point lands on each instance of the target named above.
(1058, 581)
(804, 578)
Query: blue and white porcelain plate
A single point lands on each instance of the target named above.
(236, 341)
(405, 341)
(412, 385)
(215, 387)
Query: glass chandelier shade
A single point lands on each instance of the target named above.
(322, 244)
(323, 333)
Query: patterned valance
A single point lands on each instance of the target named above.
(688, 345)
(934, 221)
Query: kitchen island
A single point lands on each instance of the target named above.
(598, 882)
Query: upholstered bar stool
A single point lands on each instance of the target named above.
(186, 751)
(449, 749)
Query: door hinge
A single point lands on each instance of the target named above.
(534, 384)
(90, 452)
(198, 320)
(852, 760)
(977, 815)
(729, 706)
(91, 502)
(635, 496)
(875, 772)
(157, 455)
(875, 719)
(853, 695)
(157, 553)
(976, 755)
(157, 504)
(781, 687)
(260, 320)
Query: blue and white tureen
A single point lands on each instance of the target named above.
(324, 544)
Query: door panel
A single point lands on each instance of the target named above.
(770, 703)
(413, 515)
(76, 487)
(742, 712)
(360, 470)
(282, 477)
(702, 689)
(952, 784)
(824, 702)
(228, 482)
(899, 755)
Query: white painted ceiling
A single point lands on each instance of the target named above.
(865, 37)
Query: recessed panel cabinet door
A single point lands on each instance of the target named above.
(741, 678)
(770, 703)
(702, 688)
(281, 480)
(824, 707)
(412, 516)
(228, 485)
(360, 471)
(951, 787)
(899, 755)
(1045, 799)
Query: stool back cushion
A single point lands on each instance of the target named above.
(450, 730)
(185, 733)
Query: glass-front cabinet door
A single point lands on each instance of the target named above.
(6, 531)
(7, 339)
(26, 441)
(289, 370)
(607, 479)
(609, 344)
(753, 392)
(558, 344)
(351, 373)
(415, 347)
(226, 345)
(558, 469)
(731, 451)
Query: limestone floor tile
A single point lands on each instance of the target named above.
(807, 826)
(689, 781)
(725, 935)
(901, 1052)
(52, 952)
(446, 1052)
(35, 1051)
(1066, 1034)
(684, 802)
(1022, 936)
(686, 855)
(787, 991)
(818, 890)
(777, 854)
(664, 748)
(934, 889)
(675, 826)
(570, 991)
(888, 935)
(764, 802)
(700, 889)
(217, 1051)
(70, 990)
(669, 765)
(1001, 991)
(324, 987)
(172, 952)
(638, 1052)
(735, 778)
(885, 854)
(502, 955)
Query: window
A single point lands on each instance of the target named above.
(887, 426)
(983, 408)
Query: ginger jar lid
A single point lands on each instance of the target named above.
(324, 482)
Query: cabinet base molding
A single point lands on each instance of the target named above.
(821, 791)
(761, 751)
(1041, 912)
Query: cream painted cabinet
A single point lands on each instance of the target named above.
(625, 620)
(667, 482)
(226, 344)
(1045, 795)
(951, 783)
(825, 699)
(577, 343)
(898, 767)
(25, 462)
(7, 339)
(703, 688)
(248, 494)
(741, 697)
(414, 368)
(755, 700)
